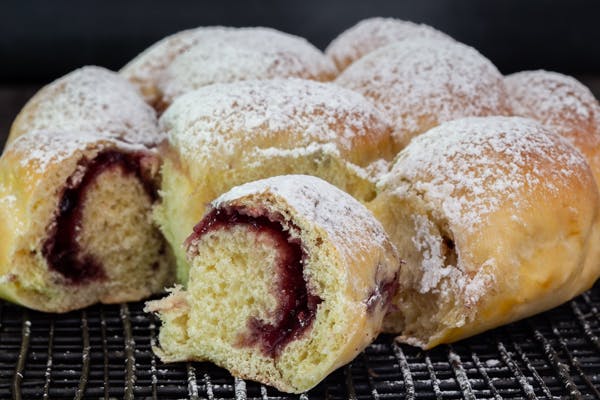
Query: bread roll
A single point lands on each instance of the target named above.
(90, 99)
(561, 103)
(75, 222)
(496, 218)
(224, 135)
(191, 59)
(421, 83)
(371, 34)
(290, 279)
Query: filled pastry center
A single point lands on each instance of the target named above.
(383, 294)
(63, 249)
(295, 307)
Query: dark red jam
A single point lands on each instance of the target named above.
(296, 307)
(383, 294)
(61, 249)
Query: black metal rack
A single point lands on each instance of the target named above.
(105, 352)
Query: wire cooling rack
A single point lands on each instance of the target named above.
(105, 352)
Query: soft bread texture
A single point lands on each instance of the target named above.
(224, 135)
(421, 83)
(561, 103)
(90, 99)
(496, 218)
(123, 253)
(371, 34)
(191, 59)
(348, 263)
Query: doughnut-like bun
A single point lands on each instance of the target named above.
(90, 99)
(191, 59)
(145, 69)
(290, 279)
(224, 135)
(75, 222)
(496, 218)
(371, 34)
(421, 83)
(563, 104)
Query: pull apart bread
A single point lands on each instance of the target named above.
(77, 184)
(561, 103)
(290, 279)
(372, 34)
(190, 59)
(224, 135)
(496, 218)
(90, 99)
(421, 82)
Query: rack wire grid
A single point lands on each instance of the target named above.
(105, 352)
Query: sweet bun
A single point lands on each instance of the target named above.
(90, 99)
(75, 221)
(191, 59)
(496, 218)
(371, 34)
(144, 70)
(224, 135)
(421, 83)
(561, 103)
(290, 279)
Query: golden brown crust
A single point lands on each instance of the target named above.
(348, 266)
(35, 170)
(561, 103)
(195, 58)
(90, 99)
(228, 134)
(496, 218)
(371, 34)
(421, 83)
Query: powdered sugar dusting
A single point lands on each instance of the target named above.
(556, 100)
(197, 57)
(91, 99)
(144, 70)
(43, 148)
(423, 82)
(469, 167)
(437, 274)
(275, 115)
(373, 33)
(430, 246)
(243, 54)
(349, 224)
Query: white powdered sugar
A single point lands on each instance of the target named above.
(348, 223)
(558, 101)
(8, 200)
(43, 148)
(437, 275)
(465, 170)
(144, 70)
(92, 99)
(423, 82)
(243, 54)
(373, 33)
(289, 115)
(430, 247)
(469, 167)
(190, 59)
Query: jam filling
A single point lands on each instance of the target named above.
(383, 294)
(296, 306)
(61, 249)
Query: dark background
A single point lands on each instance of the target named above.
(41, 40)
